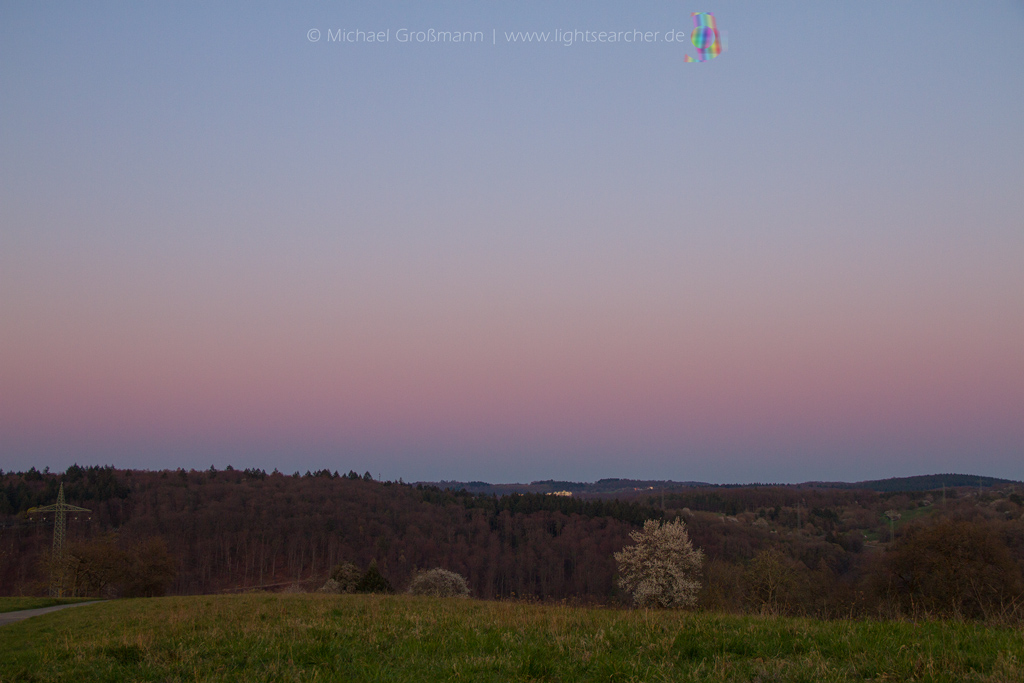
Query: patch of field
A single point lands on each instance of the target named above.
(15, 604)
(400, 638)
(914, 515)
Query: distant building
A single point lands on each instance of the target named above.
(560, 493)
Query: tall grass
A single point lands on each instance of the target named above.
(404, 638)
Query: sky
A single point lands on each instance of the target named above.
(240, 233)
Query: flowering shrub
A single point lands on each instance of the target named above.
(439, 583)
(344, 578)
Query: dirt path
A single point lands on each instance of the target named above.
(11, 617)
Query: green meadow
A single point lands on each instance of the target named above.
(265, 637)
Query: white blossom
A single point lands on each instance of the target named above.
(662, 568)
(439, 583)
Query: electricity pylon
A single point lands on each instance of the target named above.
(893, 515)
(60, 523)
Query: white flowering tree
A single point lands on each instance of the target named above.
(439, 583)
(661, 568)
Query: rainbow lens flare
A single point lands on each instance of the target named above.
(705, 37)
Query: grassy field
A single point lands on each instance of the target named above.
(399, 638)
(15, 604)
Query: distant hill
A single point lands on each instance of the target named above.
(601, 487)
(630, 487)
(930, 482)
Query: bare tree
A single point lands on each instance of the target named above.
(661, 568)
(769, 582)
(952, 568)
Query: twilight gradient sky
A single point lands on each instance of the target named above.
(221, 242)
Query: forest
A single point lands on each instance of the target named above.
(824, 551)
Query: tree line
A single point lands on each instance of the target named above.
(795, 550)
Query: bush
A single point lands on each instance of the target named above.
(769, 582)
(662, 568)
(151, 570)
(101, 567)
(952, 568)
(439, 583)
(330, 586)
(373, 582)
(344, 578)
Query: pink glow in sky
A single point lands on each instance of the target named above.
(238, 246)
